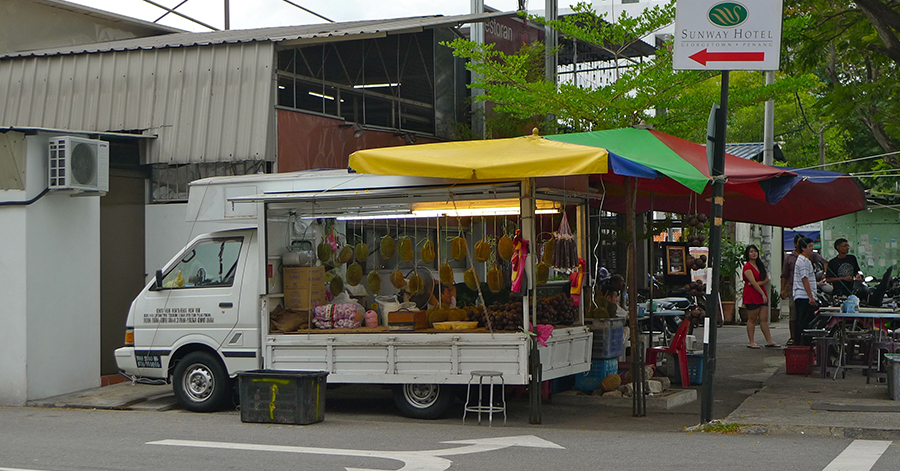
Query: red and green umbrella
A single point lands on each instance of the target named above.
(674, 173)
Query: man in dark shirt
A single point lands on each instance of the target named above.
(843, 269)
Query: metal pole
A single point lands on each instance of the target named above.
(768, 253)
(478, 109)
(227, 15)
(534, 357)
(715, 253)
(639, 401)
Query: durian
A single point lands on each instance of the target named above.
(436, 315)
(548, 252)
(387, 247)
(405, 250)
(323, 251)
(505, 248)
(336, 286)
(495, 280)
(354, 274)
(428, 251)
(457, 315)
(471, 279)
(482, 251)
(459, 248)
(362, 252)
(374, 282)
(446, 274)
(415, 284)
(543, 273)
(345, 255)
(397, 279)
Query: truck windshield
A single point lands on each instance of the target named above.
(209, 263)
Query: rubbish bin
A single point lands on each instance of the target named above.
(893, 375)
(282, 397)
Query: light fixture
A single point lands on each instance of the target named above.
(319, 95)
(494, 207)
(377, 85)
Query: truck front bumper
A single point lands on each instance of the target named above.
(128, 364)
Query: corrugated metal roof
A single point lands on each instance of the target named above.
(752, 151)
(275, 34)
(209, 104)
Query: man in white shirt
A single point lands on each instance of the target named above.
(804, 283)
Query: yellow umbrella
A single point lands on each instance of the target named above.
(492, 159)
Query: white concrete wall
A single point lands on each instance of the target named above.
(50, 267)
(63, 293)
(13, 273)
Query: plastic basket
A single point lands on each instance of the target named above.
(796, 359)
(695, 368)
(282, 397)
(600, 369)
(608, 338)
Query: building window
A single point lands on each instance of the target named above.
(384, 82)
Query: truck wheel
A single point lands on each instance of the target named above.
(423, 401)
(201, 383)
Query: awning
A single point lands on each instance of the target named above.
(492, 159)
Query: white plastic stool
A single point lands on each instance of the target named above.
(490, 408)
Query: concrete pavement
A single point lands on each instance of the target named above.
(751, 389)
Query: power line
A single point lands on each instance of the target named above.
(851, 160)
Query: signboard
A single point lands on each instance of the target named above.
(725, 35)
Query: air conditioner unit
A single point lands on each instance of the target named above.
(78, 164)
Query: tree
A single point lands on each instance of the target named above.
(853, 49)
(675, 101)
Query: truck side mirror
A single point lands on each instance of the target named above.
(159, 280)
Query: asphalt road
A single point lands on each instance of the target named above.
(65, 439)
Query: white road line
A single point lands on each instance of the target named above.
(860, 455)
(19, 469)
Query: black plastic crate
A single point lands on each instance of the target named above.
(282, 397)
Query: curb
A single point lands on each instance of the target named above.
(822, 431)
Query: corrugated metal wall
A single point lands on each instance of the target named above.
(206, 103)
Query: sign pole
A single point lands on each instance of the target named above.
(715, 253)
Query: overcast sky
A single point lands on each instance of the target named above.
(261, 13)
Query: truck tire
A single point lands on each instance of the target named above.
(423, 401)
(201, 383)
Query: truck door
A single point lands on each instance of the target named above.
(200, 293)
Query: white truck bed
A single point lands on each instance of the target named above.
(440, 358)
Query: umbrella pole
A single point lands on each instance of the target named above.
(639, 401)
(530, 303)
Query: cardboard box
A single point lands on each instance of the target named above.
(304, 287)
(303, 277)
(304, 299)
(407, 320)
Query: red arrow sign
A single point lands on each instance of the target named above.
(703, 57)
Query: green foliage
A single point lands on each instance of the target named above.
(854, 55)
(732, 259)
(645, 90)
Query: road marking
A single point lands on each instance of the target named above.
(860, 455)
(19, 469)
(425, 460)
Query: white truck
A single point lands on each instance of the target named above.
(205, 316)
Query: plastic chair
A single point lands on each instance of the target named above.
(678, 347)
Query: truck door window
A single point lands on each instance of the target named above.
(210, 263)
